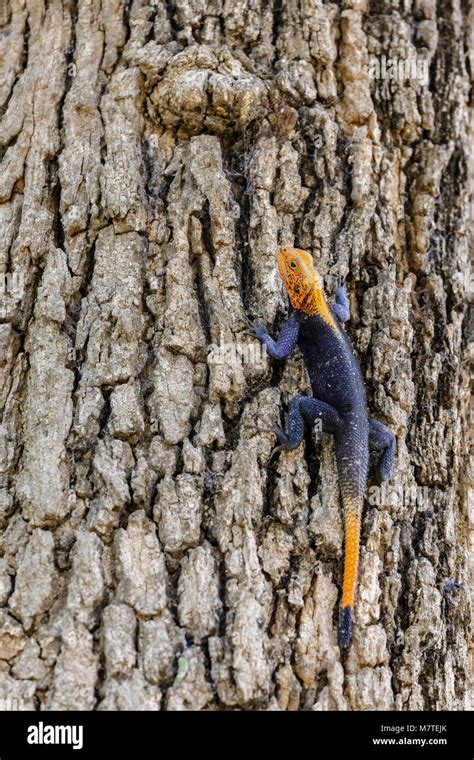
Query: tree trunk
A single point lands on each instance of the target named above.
(154, 154)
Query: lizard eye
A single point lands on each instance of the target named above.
(292, 264)
(296, 289)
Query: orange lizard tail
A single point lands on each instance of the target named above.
(352, 522)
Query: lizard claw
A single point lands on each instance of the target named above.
(275, 430)
(283, 440)
(256, 330)
(272, 455)
(247, 321)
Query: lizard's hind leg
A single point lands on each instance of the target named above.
(383, 440)
(306, 410)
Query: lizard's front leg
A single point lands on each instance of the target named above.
(306, 410)
(281, 348)
(341, 307)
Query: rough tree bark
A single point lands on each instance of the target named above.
(153, 155)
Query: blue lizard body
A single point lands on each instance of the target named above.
(338, 400)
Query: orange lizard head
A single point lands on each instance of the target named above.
(299, 276)
(302, 282)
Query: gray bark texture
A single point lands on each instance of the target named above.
(153, 156)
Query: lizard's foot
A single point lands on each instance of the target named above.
(256, 330)
(382, 442)
(285, 442)
(284, 439)
(248, 322)
(380, 476)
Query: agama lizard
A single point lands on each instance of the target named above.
(338, 401)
